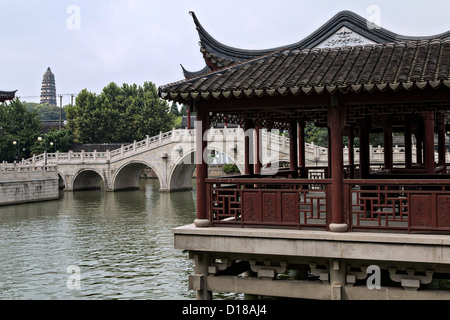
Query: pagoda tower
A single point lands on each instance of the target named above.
(48, 90)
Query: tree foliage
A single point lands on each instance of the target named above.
(62, 141)
(119, 114)
(45, 110)
(20, 125)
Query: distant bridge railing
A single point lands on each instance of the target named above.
(315, 155)
(173, 136)
(19, 171)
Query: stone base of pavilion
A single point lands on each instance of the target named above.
(312, 264)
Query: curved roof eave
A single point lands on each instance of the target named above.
(189, 74)
(343, 18)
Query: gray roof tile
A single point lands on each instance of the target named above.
(382, 64)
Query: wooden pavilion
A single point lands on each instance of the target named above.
(7, 95)
(353, 80)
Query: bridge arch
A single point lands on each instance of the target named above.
(127, 176)
(61, 181)
(88, 179)
(180, 177)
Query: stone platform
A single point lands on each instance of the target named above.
(316, 264)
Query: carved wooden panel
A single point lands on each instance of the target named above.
(421, 210)
(251, 207)
(290, 209)
(443, 211)
(270, 207)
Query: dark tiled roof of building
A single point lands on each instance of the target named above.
(7, 95)
(218, 55)
(388, 66)
(190, 74)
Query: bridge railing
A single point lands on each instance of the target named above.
(316, 154)
(19, 171)
(175, 135)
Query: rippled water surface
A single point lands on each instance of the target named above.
(121, 243)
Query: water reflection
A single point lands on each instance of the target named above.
(122, 243)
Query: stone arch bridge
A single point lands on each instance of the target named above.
(170, 155)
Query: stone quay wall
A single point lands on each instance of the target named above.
(27, 183)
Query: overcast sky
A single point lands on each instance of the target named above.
(90, 43)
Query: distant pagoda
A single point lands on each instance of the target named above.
(48, 90)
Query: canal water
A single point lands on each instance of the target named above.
(97, 245)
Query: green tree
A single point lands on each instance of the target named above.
(317, 135)
(62, 141)
(183, 110)
(45, 110)
(119, 114)
(20, 125)
(174, 110)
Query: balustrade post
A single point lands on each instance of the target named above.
(160, 137)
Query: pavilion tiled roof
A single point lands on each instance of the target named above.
(388, 66)
(218, 55)
(7, 95)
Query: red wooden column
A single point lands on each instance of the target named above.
(336, 119)
(301, 149)
(248, 150)
(441, 141)
(419, 148)
(364, 147)
(408, 145)
(202, 124)
(293, 155)
(429, 142)
(388, 158)
(188, 109)
(351, 153)
(257, 149)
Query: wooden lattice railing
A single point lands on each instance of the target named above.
(413, 205)
(399, 205)
(275, 202)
